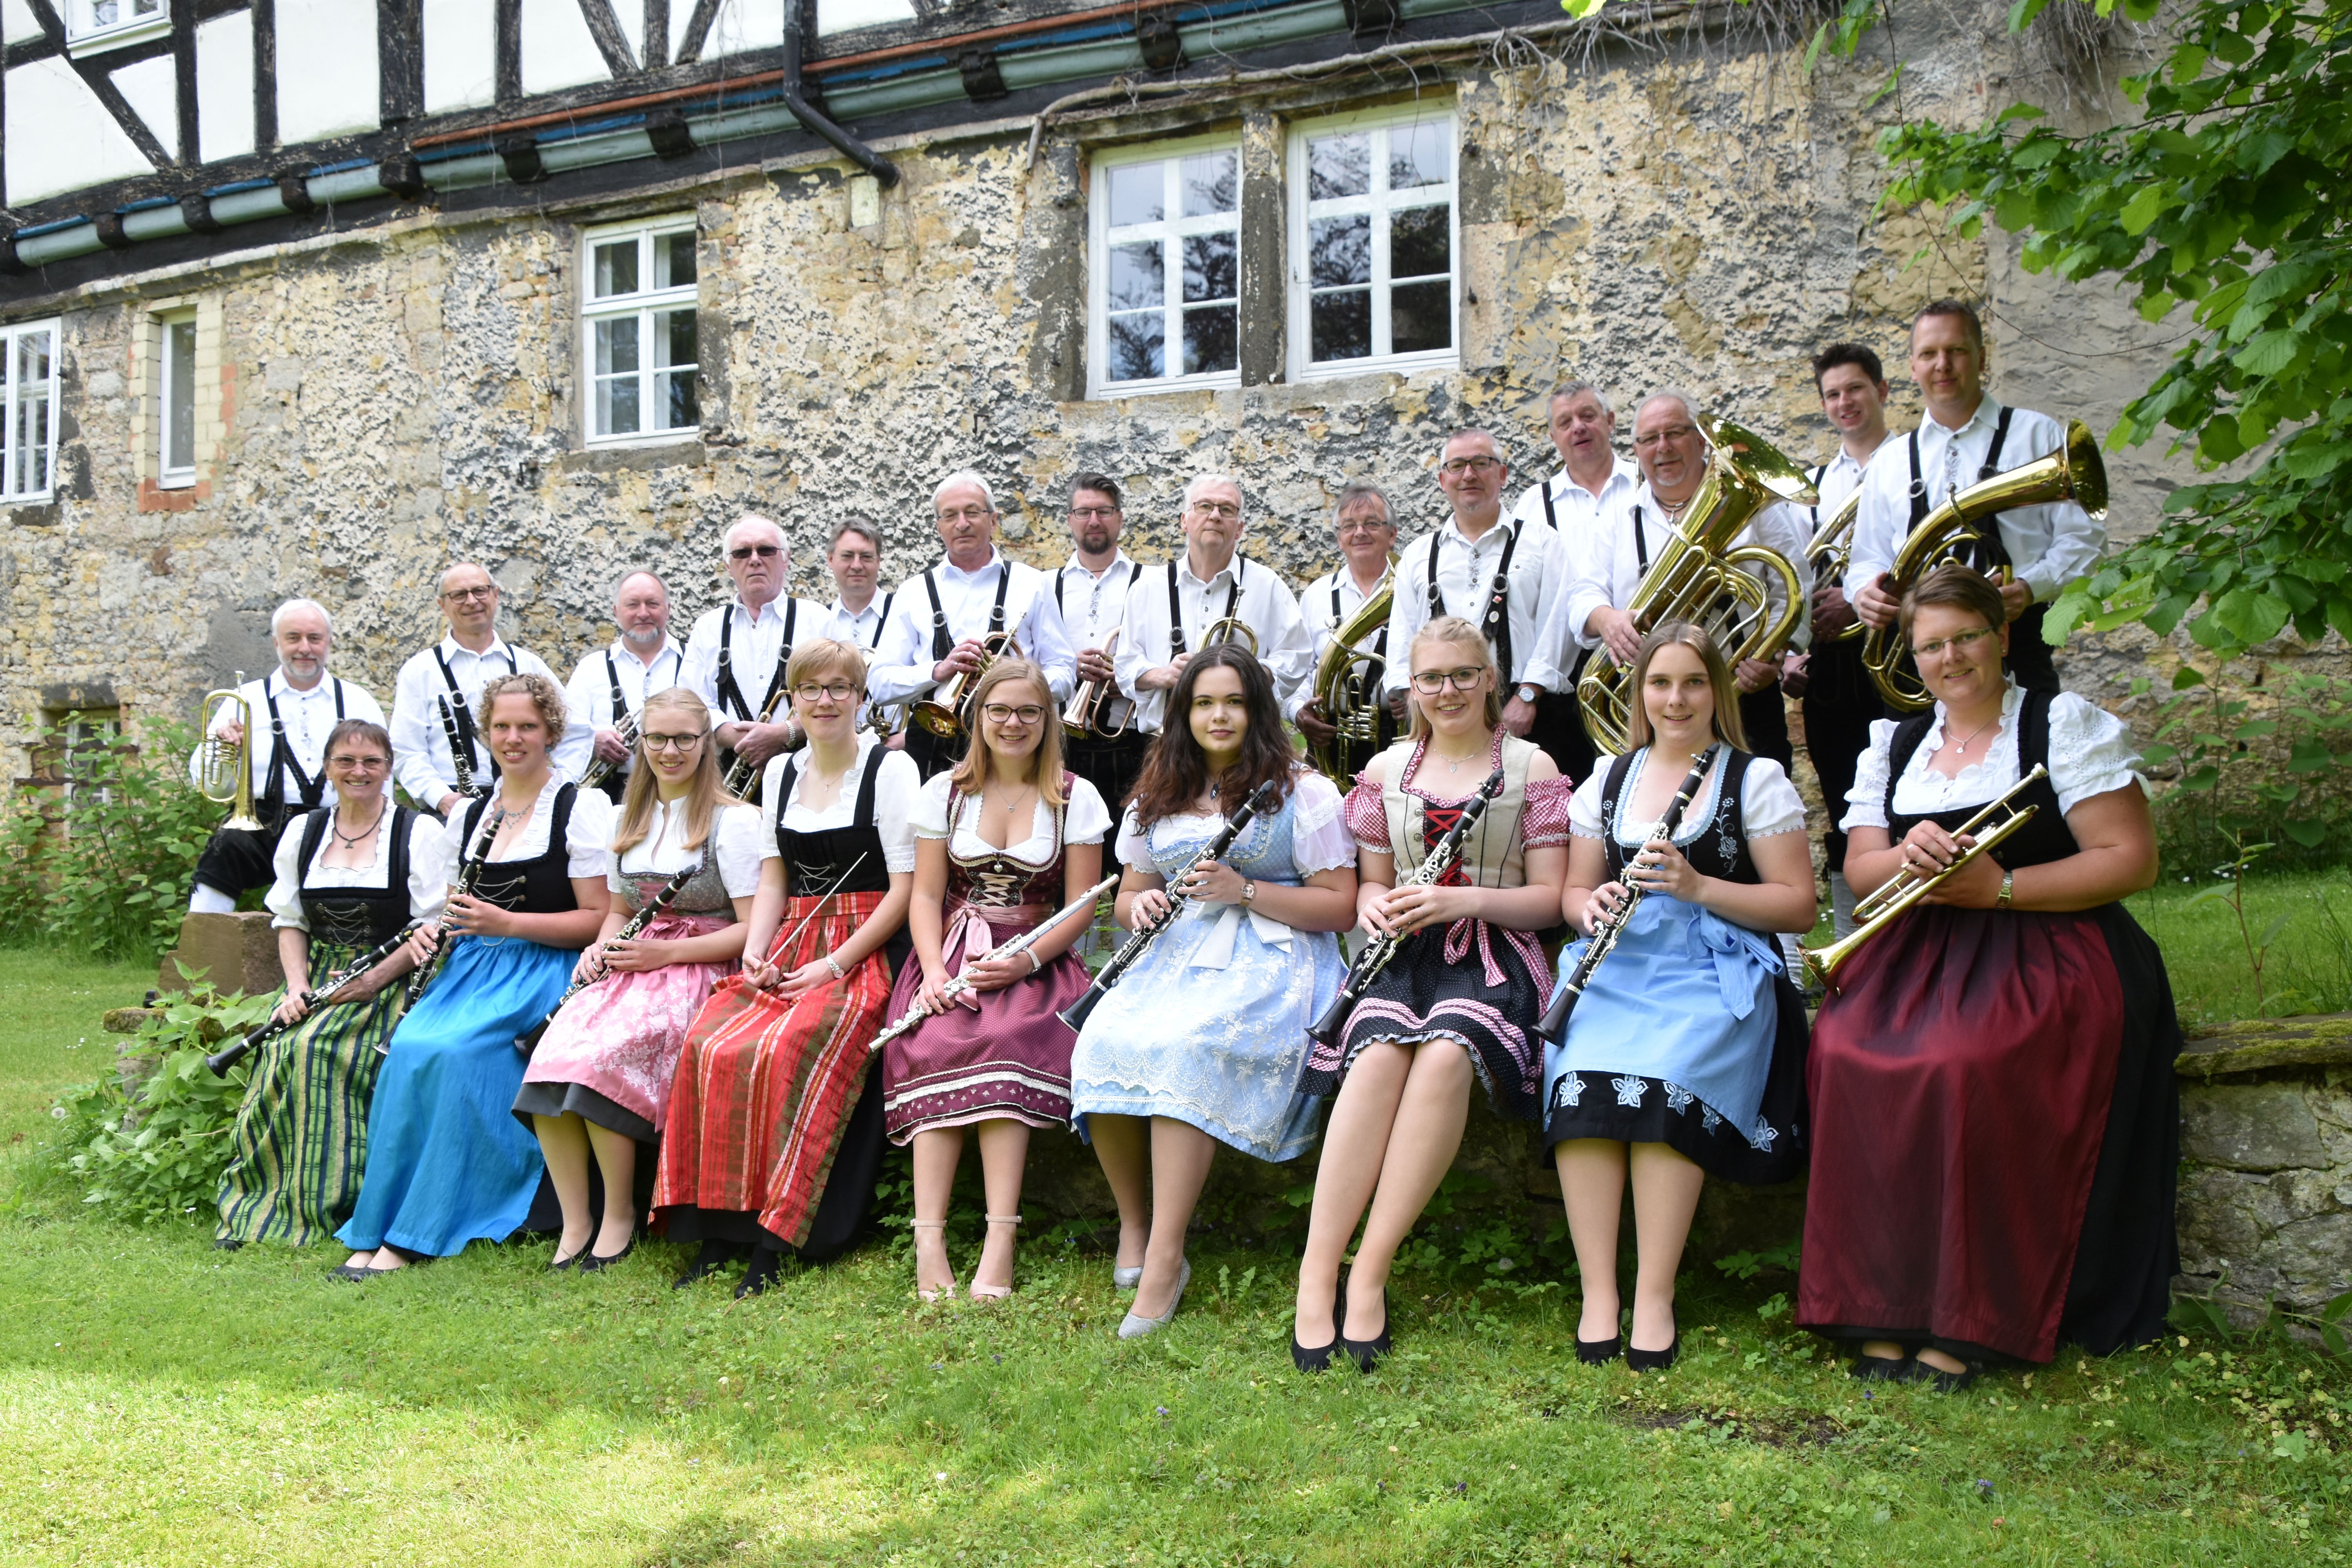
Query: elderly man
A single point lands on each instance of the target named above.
(434, 698)
(1964, 436)
(854, 558)
(1090, 590)
(301, 702)
(1504, 576)
(611, 685)
(1367, 532)
(735, 657)
(940, 618)
(1170, 609)
(1592, 478)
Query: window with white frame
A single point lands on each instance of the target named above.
(1373, 277)
(28, 401)
(1165, 292)
(175, 445)
(105, 23)
(638, 326)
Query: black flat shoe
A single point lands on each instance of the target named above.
(1952, 1381)
(1654, 1360)
(1366, 1354)
(596, 1262)
(354, 1275)
(1884, 1368)
(1600, 1352)
(709, 1259)
(226, 1244)
(766, 1267)
(1319, 1358)
(565, 1265)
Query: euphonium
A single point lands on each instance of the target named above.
(1232, 628)
(1694, 576)
(2073, 472)
(1831, 552)
(225, 772)
(1096, 708)
(1347, 688)
(943, 712)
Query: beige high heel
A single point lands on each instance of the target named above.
(980, 1292)
(948, 1290)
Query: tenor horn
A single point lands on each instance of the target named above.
(1232, 628)
(225, 772)
(1096, 708)
(1348, 683)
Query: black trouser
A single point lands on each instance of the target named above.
(1558, 729)
(1765, 716)
(2028, 662)
(1112, 766)
(938, 753)
(1840, 702)
(238, 859)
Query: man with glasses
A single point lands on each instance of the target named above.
(434, 698)
(612, 683)
(301, 704)
(854, 558)
(939, 619)
(1090, 591)
(1367, 533)
(735, 657)
(1172, 609)
(1503, 576)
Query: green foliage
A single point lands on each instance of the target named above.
(2300, 923)
(2280, 772)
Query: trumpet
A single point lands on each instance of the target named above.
(1895, 897)
(600, 770)
(1347, 688)
(945, 711)
(1831, 552)
(225, 771)
(1096, 708)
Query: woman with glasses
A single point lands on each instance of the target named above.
(1458, 1004)
(1995, 1118)
(1002, 843)
(349, 877)
(599, 1081)
(773, 1133)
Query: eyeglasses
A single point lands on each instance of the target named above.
(746, 552)
(965, 514)
(357, 764)
(1093, 513)
(670, 743)
(1430, 682)
(1365, 525)
(1959, 642)
(1454, 467)
(839, 690)
(1670, 433)
(1224, 509)
(997, 714)
(461, 595)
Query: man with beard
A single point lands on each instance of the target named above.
(1090, 591)
(610, 686)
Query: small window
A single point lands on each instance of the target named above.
(1373, 277)
(28, 400)
(176, 454)
(71, 750)
(93, 25)
(1165, 292)
(638, 318)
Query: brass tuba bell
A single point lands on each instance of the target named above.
(1349, 684)
(225, 770)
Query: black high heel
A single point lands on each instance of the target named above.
(1654, 1360)
(1319, 1358)
(1366, 1354)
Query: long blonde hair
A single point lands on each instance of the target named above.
(1458, 633)
(1727, 728)
(705, 793)
(971, 775)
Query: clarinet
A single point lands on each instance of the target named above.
(1612, 925)
(461, 755)
(470, 872)
(957, 984)
(1075, 1014)
(1381, 948)
(600, 770)
(222, 1060)
(528, 1041)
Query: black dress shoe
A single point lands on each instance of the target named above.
(1366, 1354)
(1319, 1358)
(767, 1266)
(1600, 1352)
(596, 1262)
(1654, 1360)
(712, 1256)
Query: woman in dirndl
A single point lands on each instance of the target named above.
(1684, 1055)
(1202, 1040)
(446, 1162)
(1455, 1008)
(1996, 1123)
(773, 1135)
(598, 1083)
(349, 877)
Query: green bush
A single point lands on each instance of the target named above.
(2271, 762)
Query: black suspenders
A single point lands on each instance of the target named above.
(1176, 609)
(1551, 516)
(282, 758)
(729, 693)
(881, 620)
(1496, 622)
(464, 713)
(1996, 553)
(942, 644)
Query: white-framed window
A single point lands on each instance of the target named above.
(1164, 287)
(28, 401)
(1374, 280)
(637, 300)
(93, 25)
(176, 439)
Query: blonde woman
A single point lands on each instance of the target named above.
(599, 1081)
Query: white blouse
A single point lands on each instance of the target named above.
(1085, 820)
(586, 837)
(896, 788)
(284, 899)
(734, 833)
(1769, 804)
(1319, 839)
(2091, 752)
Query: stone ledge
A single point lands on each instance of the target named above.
(2260, 1044)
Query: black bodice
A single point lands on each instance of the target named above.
(539, 886)
(2045, 838)
(356, 917)
(815, 862)
(1720, 851)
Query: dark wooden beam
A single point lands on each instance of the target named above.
(656, 49)
(400, 60)
(611, 42)
(509, 50)
(183, 75)
(265, 76)
(697, 29)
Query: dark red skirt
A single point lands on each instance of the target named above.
(1996, 1126)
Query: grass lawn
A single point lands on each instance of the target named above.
(2305, 919)
(166, 1404)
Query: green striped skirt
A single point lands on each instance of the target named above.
(301, 1139)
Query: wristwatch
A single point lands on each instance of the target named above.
(2008, 882)
(1529, 694)
(1249, 893)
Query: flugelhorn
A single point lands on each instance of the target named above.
(1231, 628)
(2073, 472)
(1349, 687)
(1831, 552)
(1097, 707)
(600, 770)
(944, 711)
(225, 771)
(1696, 576)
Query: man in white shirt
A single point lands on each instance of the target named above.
(1965, 438)
(438, 690)
(299, 703)
(1090, 592)
(610, 686)
(854, 557)
(1504, 576)
(940, 618)
(1367, 532)
(1171, 608)
(736, 655)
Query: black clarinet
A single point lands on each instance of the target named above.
(1378, 952)
(461, 754)
(1075, 1014)
(220, 1061)
(528, 1041)
(470, 872)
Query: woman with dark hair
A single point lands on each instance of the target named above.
(1996, 1121)
(349, 876)
(1458, 1004)
(1684, 1056)
(1002, 843)
(447, 1162)
(1201, 1043)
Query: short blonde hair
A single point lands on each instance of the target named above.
(1456, 632)
(825, 655)
(544, 694)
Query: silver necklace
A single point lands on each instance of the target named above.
(1961, 747)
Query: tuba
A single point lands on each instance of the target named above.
(943, 712)
(1695, 577)
(1347, 688)
(1097, 707)
(225, 772)
(2073, 472)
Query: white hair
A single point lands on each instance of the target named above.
(1688, 400)
(1200, 482)
(278, 616)
(752, 520)
(963, 476)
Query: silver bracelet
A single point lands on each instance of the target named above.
(1031, 954)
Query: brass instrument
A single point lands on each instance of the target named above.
(1895, 896)
(1831, 552)
(225, 771)
(943, 712)
(1697, 577)
(1349, 685)
(2073, 472)
(1232, 628)
(1097, 707)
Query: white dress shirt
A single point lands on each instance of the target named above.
(1834, 480)
(590, 691)
(756, 652)
(1261, 601)
(1094, 604)
(1611, 570)
(735, 837)
(1465, 579)
(310, 717)
(1575, 510)
(1331, 601)
(903, 660)
(420, 745)
(2049, 545)
(896, 785)
(864, 627)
